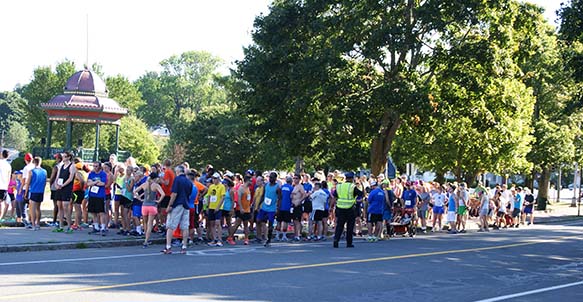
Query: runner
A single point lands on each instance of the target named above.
(37, 180)
(438, 207)
(284, 215)
(307, 205)
(319, 198)
(124, 194)
(326, 209)
(53, 185)
(452, 206)
(25, 173)
(78, 193)
(11, 189)
(423, 206)
(216, 196)
(270, 202)
(138, 180)
(390, 200)
(5, 176)
(257, 198)
(150, 190)
(198, 206)
(484, 209)
(107, 168)
(529, 203)
(96, 204)
(376, 201)
(297, 196)
(167, 180)
(518, 203)
(462, 212)
(178, 211)
(227, 206)
(116, 207)
(244, 212)
(64, 186)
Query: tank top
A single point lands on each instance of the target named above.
(149, 196)
(119, 181)
(64, 176)
(77, 183)
(270, 200)
(127, 192)
(245, 201)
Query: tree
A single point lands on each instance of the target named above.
(363, 68)
(12, 112)
(187, 83)
(126, 93)
(135, 137)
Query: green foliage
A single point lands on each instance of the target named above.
(187, 84)
(18, 164)
(125, 93)
(135, 137)
(12, 112)
(17, 136)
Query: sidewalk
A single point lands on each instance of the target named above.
(19, 239)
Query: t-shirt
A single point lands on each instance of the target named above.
(215, 193)
(199, 187)
(485, 202)
(518, 201)
(503, 203)
(439, 199)
(319, 200)
(270, 198)
(27, 169)
(451, 205)
(168, 176)
(97, 191)
(5, 174)
(376, 201)
(38, 180)
(193, 196)
(464, 198)
(425, 197)
(182, 186)
(286, 191)
(328, 194)
(529, 199)
(227, 203)
(410, 198)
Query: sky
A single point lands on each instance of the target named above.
(127, 37)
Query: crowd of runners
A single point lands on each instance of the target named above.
(190, 206)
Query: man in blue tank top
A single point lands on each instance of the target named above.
(269, 204)
(284, 214)
(36, 191)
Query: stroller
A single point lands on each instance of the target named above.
(402, 222)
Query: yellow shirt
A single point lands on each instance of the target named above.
(215, 194)
(257, 197)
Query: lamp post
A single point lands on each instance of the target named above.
(575, 183)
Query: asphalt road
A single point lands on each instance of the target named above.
(503, 265)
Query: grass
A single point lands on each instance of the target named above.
(81, 245)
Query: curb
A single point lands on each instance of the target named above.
(75, 245)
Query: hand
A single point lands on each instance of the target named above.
(168, 209)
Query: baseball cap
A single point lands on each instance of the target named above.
(28, 157)
(216, 175)
(373, 183)
(349, 174)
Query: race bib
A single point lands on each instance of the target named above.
(248, 196)
(60, 182)
(268, 201)
(213, 199)
(94, 189)
(407, 202)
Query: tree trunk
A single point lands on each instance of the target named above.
(440, 177)
(299, 165)
(543, 189)
(382, 142)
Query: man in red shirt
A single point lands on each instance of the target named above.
(166, 184)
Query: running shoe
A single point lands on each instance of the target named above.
(212, 244)
(219, 244)
(58, 230)
(231, 241)
(183, 250)
(69, 231)
(166, 251)
(284, 239)
(93, 231)
(102, 232)
(246, 242)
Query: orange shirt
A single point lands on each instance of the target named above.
(200, 187)
(168, 176)
(245, 201)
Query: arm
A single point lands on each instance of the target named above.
(172, 199)
(278, 198)
(160, 192)
(53, 175)
(27, 183)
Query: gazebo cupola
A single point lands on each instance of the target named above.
(84, 100)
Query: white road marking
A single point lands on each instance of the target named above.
(531, 292)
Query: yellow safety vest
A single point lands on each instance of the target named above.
(345, 193)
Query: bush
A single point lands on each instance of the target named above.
(18, 164)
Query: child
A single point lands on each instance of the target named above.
(11, 188)
(20, 213)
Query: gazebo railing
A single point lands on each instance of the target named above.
(85, 154)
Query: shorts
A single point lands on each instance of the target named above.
(137, 210)
(165, 202)
(387, 215)
(214, 215)
(54, 195)
(178, 216)
(264, 216)
(12, 197)
(243, 216)
(484, 212)
(297, 213)
(149, 210)
(319, 215)
(451, 215)
(64, 194)
(421, 213)
(358, 209)
(36, 197)
(438, 210)
(108, 197)
(374, 218)
(501, 214)
(307, 206)
(124, 202)
(192, 218)
(462, 210)
(78, 197)
(96, 205)
(226, 214)
(528, 210)
(284, 216)
(515, 213)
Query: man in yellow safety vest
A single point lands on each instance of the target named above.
(345, 195)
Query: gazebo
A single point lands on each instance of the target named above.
(84, 100)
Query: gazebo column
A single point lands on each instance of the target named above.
(68, 140)
(116, 150)
(49, 138)
(96, 150)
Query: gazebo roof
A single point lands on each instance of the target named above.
(84, 100)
